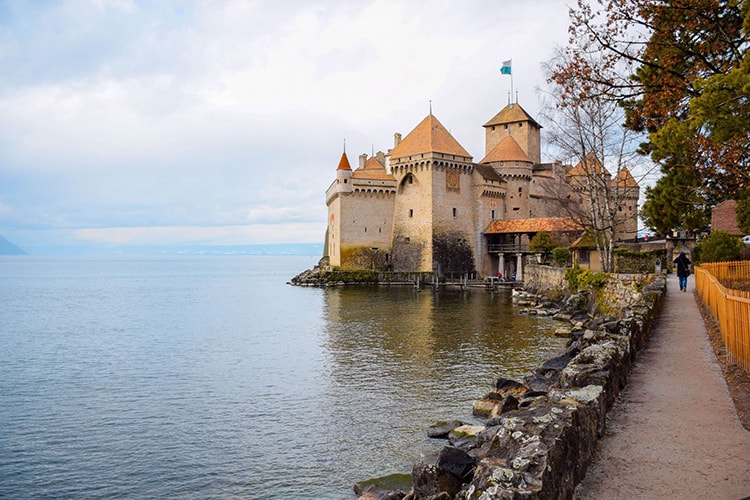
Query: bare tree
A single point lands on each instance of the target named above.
(587, 129)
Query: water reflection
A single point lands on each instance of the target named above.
(398, 359)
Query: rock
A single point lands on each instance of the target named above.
(560, 361)
(381, 487)
(457, 462)
(373, 492)
(465, 436)
(430, 480)
(576, 302)
(489, 407)
(506, 386)
(484, 407)
(563, 332)
(442, 428)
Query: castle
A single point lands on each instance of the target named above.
(427, 206)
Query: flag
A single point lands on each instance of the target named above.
(505, 68)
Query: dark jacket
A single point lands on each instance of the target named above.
(683, 265)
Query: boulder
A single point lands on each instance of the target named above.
(429, 481)
(465, 436)
(442, 428)
(457, 462)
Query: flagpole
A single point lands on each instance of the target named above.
(507, 69)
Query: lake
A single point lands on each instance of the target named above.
(195, 377)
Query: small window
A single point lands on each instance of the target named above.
(516, 209)
(493, 214)
(365, 229)
(506, 126)
(520, 125)
(455, 212)
(520, 190)
(411, 212)
(346, 180)
(411, 179)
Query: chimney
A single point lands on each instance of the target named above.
(362, 160)
(396, 139)
(380, 157)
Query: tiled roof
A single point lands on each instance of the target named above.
(724, 218)
(374, 170)
(506, 150)
(549, 224)
(512, 113)
(429, 137)
(592, 167)
(488, 173)
(344, 163)
(625, 178)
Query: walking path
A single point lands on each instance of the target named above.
(674, 431)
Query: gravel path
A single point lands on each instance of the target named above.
(674, 431)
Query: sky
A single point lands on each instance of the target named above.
(127, 122)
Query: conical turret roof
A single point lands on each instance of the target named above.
(344, 163)
(506, 150)
(626, 179)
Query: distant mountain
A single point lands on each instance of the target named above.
(8, 248)
(292, 249)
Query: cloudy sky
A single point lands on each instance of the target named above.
(128, 122)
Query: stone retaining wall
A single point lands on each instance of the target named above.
(541, 431)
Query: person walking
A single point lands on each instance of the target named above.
(683, 270)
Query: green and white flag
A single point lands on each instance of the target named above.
(505, 68)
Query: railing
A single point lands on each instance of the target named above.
(507, 247)
(731, 307)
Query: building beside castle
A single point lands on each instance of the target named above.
(427, 206)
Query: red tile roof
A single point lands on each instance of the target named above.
(429, 137)
(592, 166)
(506, 150)
(625, 178)
(549, 224)
(511, 113)
(344, 163)
(374, 170)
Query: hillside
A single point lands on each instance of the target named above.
(8, 248)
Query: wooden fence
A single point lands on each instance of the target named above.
(716, 284)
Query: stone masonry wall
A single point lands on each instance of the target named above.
(540, 432)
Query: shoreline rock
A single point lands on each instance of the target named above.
(541, 431)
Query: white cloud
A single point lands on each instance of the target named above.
(229, 113)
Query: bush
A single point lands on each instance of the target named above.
(561, 256)
(720, 246)
(542, 242)
(583, 279)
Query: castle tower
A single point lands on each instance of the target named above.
(341, 186)
(512, 163)
(514, 121)
(434, 209)
(360, 214)
(628, 191)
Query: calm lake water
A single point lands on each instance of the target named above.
(196, 377)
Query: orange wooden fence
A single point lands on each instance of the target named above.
(731, 307)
